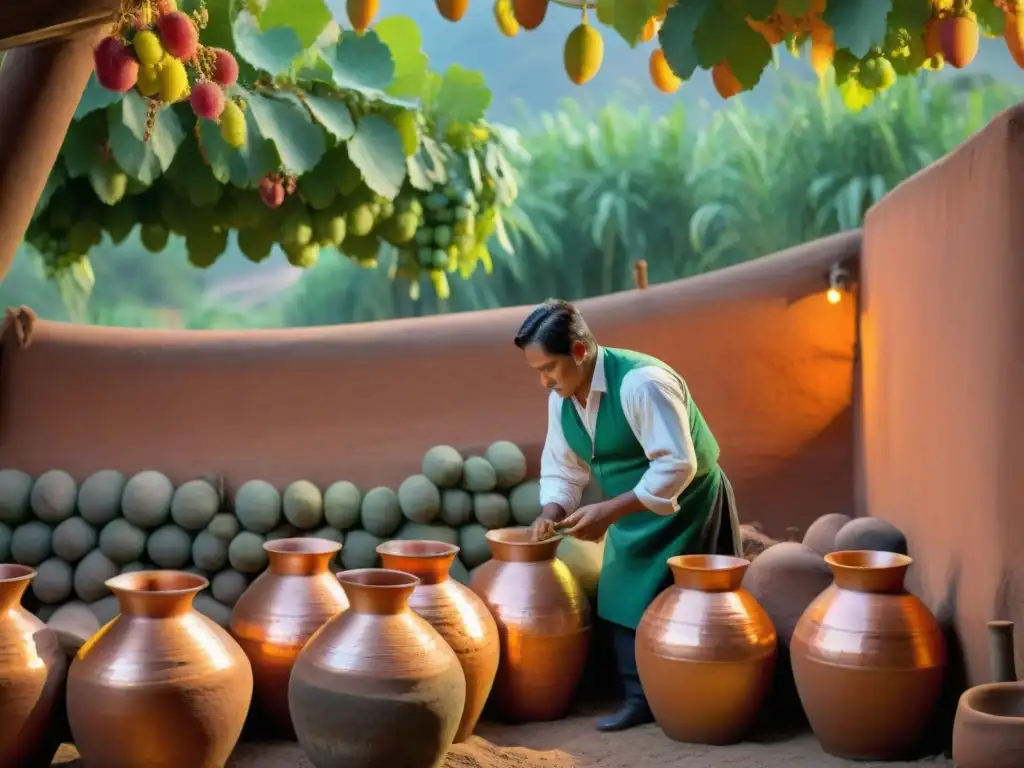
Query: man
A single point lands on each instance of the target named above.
(628, 421)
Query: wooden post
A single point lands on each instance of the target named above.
(640, 274)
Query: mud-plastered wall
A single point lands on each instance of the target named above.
(940, 438)
(768, 359)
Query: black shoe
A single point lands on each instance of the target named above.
(630, 715)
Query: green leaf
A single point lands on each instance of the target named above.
(299, 141)
(219, 31)
(795, 8)
(333, 115)
(95, 97)
(427, 166)
(759, 10)
(858, 25)
(716, 34)
(630, 16)
(402, 37)
(272, 51)
(749, 56)
(845, 65)
(376, 150)
(83, 145)
(244, 166)
(144, 161)
(306, 18)
(912, 15)
(134, 112)
(676, 36)
(990, 18)
(361, 63)
(463, 95)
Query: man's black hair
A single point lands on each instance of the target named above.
(554, 326)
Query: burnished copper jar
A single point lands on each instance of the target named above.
(377, 686)
(161, 685)
(705, 651)
(544, 623)
(278, 613)
(868, 659)
(33, 669)
(456, 613)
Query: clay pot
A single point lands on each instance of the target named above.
(160, 685)
(278, 613)
(821, 534)
(544, 622)
(709, 638)
(33, 670)
(868, 659)
(377, 686)
(459, 616)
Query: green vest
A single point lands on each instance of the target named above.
(637, 547)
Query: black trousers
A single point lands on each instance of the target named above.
(623, 640)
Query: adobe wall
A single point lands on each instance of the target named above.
(768, 359)
(940, 443)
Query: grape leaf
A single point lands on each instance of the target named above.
(219, 30)
(427, 167)
(759, 10)
(630, 16)
(306, 18)
(361, 63)
(272, 51)
(795, 8)
(912, 15)
(243, 166)
(749, 56)
(144, 161)
(94, 97)
(716, 33)
(402, 37)
(333, 115)
(676, 36)
(858, 25)
(299, 141)
(84, 143)
(376, 150)
(463, 95)
(990, 18)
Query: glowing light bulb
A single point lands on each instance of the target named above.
(833, 296)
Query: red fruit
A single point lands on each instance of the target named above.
(116, 68)
(179, 35)
(207, 100)
(960, 40)
(225, 67)
(271, 192)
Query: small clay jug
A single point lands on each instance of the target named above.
(868, 659)
(459, 616)
(160, 685)
(705, 651)
(377, 686)
(544, 622)
(989, 727)
(276, 616)
(33, 670)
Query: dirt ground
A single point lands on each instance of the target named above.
(573, 743)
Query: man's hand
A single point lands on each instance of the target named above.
(546, 526)
(591, 522)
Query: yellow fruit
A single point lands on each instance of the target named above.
(173, 81)
(530, 13)
(149, 81)
(506, 19)
(584, 52)
(361, 13)
(232, 125)
(664, 79)
(725, 81)
(649, 30)
(148, 48)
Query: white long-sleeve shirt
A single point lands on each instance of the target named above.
(654, 404)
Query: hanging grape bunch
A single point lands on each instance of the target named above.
(155, 49)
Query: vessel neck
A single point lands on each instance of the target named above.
(300, 557)
(428, 561)
(156, 594)
(517, 545)
(708, 573)
(14, 580)
(869, 571)
(378, 591)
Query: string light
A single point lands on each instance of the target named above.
(838, 284)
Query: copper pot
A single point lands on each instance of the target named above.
(377, 686)
(278, 613)
(456, 613)
(32, 671)
(868, 659)
(705, 651)
(160, 685)
(543, 621)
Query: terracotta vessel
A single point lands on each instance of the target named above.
(278, 613)
(989, 727)
(459, 616)
(544, 622)
(32, 674)
(707, 636)
(868, 659)
(160, 685)
(377, 686)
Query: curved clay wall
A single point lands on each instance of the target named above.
(768, 359)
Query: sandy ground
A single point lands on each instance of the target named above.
(573, 743)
